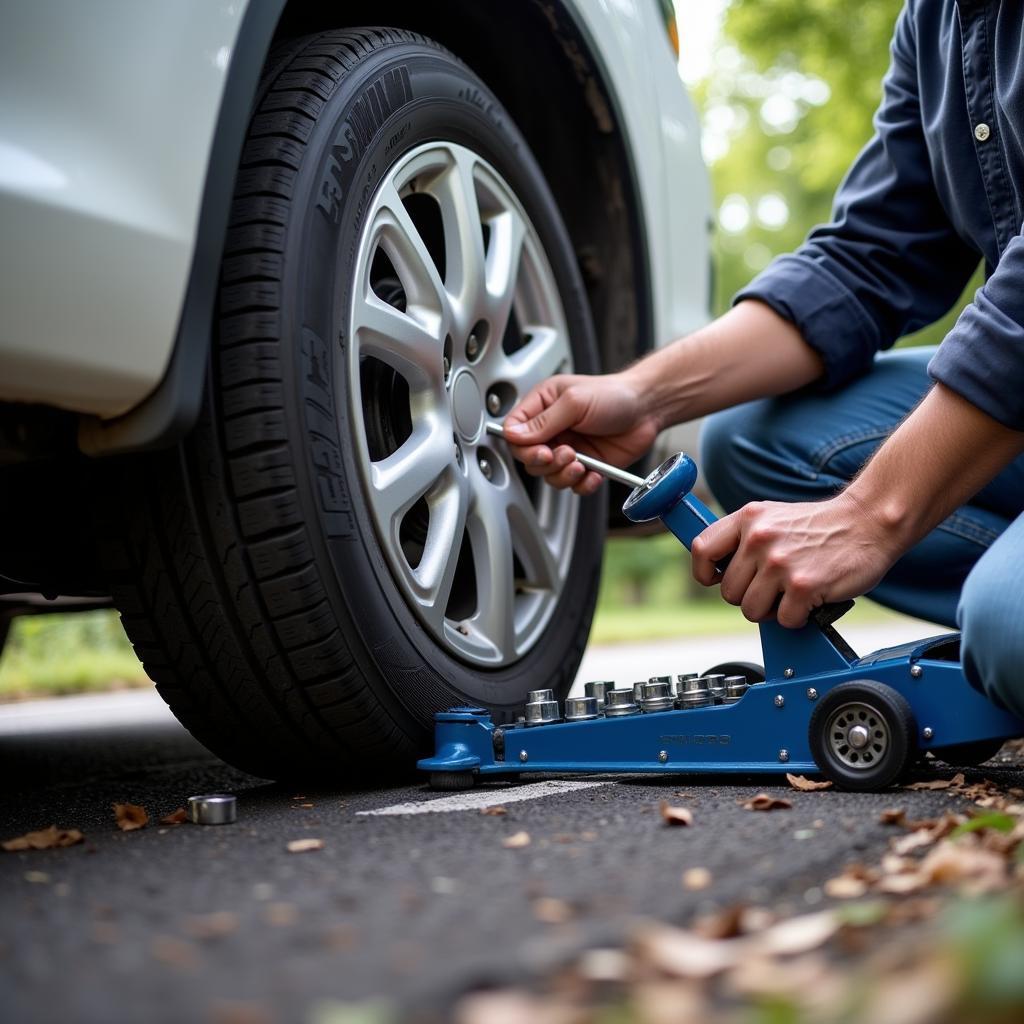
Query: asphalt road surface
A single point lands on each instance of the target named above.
(412, 901)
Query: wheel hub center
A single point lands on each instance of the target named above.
(467, 405)
(858, 737)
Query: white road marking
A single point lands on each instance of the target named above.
(491, 798)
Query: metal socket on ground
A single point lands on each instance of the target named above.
(213, 809)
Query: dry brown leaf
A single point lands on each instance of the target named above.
(675, 815)
(178, 817)
(683, 954)
(44, 839)
(282, 915)
(516, 841)
(551, 910)
(305, 845)
(604, 965)
(510, 1006)
(956, 781)
(696, 879)
(494, 811)
(893, 816)
(726, 923)
(806, 785)
(912, 841)
(764, 802)
(798, 934)
(173, 952)
(212, 926)
(129, 817)
(845, 887)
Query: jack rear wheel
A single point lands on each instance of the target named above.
(862, 735)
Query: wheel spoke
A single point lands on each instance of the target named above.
(404, 245)
(396, 338)
(529, 539)
(504, 249)
(436, 571)
(455, 192)
(491, 541)
(402, 478)
(545, 354)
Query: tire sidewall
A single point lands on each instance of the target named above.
(412, 94)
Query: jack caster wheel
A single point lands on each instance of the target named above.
(751, 671)
(968, 755)
(862, 735)
(452, 781)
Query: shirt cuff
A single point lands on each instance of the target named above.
(823, 310)
(982, 360)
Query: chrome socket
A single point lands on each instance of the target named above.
(598, 690)
(535, 696)
(638, 691)
(678, 685)
(542, 712)
(735, 687)
(657, 695)
(620, 702)
(213, 809)
(694, 693)
(716, 684)
(582, 709)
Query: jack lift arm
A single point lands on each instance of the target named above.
(815, 707)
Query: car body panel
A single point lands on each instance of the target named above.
(104, 153)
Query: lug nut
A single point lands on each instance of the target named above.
(716, 684)
(618, 703)
(598, 690)
(695, 693)
(542, 712)
(677, 686)
(485, 468)
(213, 809)
(493, 403)
(657, 695)
(535, 695)
(735, 687)
(472, 347)
(638, 691)
(582, 709)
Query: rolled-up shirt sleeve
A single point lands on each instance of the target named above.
(982, 357)
(890, 261)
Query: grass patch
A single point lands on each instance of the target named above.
(80, 652)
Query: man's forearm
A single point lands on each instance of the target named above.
(750, 352)
(942, 454)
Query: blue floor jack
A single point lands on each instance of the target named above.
(814, 707)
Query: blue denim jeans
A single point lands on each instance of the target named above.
(969, 571)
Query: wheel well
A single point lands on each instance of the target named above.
(535, 58)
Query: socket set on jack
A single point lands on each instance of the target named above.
(659, 693)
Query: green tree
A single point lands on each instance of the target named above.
(786, 110)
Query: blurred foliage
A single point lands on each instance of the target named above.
(67, 653)
(786, 110)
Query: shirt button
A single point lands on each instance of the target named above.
(982, 131)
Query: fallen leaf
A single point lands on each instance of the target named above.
(604, 965)
(178, 817)
(684, 954)
(845, 887)
(696, 879)
(45, 839)
(912, 841)
(282, 915)
(893, 816)
(727, 923)
(173, 952)
(212, 926)
(238, 1012)
(551, 910)
(806, 785)
(129, 817)
(305, 845)
(798, 934)
(37, 877)
(764, 802)
(957, 780)
(494, 811)
(675, 815)
(516, 841)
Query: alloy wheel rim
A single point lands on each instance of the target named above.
(455, 315)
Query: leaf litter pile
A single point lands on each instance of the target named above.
(931, 934)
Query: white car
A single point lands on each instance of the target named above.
(266, 272)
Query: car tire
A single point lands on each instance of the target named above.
(260, 587)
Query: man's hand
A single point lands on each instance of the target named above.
(604, 416)
(810, 553)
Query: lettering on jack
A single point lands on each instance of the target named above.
(697, 739)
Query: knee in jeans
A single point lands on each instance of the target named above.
(991, 645)
(722, 461)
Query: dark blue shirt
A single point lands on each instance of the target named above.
(939, 187)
